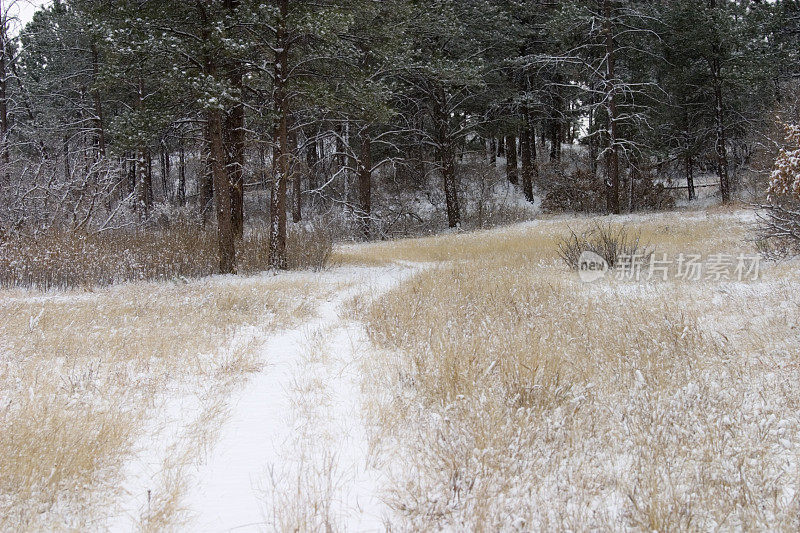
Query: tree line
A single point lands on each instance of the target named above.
(111, 107)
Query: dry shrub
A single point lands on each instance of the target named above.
(778, 230)
(64, 260)
(577, 190)
(610, 241)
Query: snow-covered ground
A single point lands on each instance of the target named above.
(466, 381)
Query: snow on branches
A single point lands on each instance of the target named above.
(785, 177)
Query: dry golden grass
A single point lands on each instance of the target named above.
(674, 232)
(513, 396)
(81, 373)
(63, 260)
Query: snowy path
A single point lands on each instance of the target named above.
(293, 452)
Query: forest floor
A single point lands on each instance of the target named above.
(464, 381)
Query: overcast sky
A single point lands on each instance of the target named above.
(23, 9)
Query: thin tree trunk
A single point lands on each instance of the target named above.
(277, 242)
(4, 125)
(721, 141)
(312, 158)
(634, 174)
(149, 183)
(528, 151)
(181, 192)
(165, 172)
(689, 163)
(296, 177)
(365, 183)
(592, 130)
(612, 154)
(100, 134)
(67, 167)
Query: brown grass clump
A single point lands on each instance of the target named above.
(81, 374)
(511, 396)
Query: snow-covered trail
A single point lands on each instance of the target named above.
(293, 453)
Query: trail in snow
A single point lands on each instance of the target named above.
(294, 452)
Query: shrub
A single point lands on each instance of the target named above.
(778, 230)
(575, 189)
(779, 220)
(609, 241)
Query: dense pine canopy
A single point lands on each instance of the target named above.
(111, 109)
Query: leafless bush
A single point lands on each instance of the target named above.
(490, 199)
(609, 241)
(778, 231)
(573, 187)
(39, 195)
(576, 191)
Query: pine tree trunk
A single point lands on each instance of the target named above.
(144, 180)
(131, 164)
(205, 186)
(593, 133)
(225, 234)
(166, 185)
(234, 152)
(446, 159)
(527, 154)
(721, 142)
(511, 159)
(277, 241)
(180, 194)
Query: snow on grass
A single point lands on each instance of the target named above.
(85, 376)
(463, 382)
(293, 454)
(510, 396)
